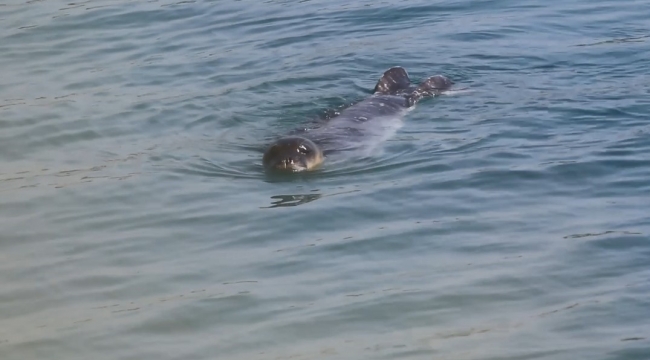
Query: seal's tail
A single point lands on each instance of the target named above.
(432, 86)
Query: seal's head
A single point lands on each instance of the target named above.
(293, 154)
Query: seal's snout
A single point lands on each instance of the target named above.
(292, 154)
(287, 163)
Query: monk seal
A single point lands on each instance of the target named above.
(393, 96)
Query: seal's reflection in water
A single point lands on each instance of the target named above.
(299, 199)
(292, 200)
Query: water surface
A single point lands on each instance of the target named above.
(509, 222)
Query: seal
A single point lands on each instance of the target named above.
(372, 117)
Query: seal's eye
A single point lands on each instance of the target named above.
(303, 149)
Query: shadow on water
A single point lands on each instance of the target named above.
(299, 199)
(288, 200)
(292, 200)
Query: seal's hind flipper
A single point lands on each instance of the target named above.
(432, 86)
(394, 80)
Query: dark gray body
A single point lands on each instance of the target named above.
(369, 122)
(363, 125)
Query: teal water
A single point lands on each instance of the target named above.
(510, 221)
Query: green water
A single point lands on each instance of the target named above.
(506, 222)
